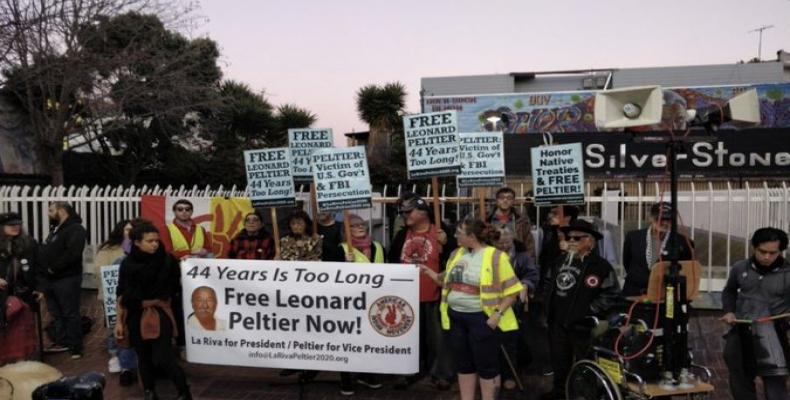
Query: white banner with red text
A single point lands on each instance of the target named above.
(302, 315)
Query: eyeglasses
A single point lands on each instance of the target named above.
(183, 208)
(577, 238)
(506, 197)
(251, 220)
(405, 212)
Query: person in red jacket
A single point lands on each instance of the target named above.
(187, 239)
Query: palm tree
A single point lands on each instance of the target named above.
(381, 107)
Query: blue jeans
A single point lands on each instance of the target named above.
(126, 357)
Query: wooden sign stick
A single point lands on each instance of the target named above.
(275, 230)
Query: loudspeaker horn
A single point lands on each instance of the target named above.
(628, 107)
(743, 109)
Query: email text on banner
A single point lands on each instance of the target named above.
(327, 316)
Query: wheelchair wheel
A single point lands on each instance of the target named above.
(587, 381)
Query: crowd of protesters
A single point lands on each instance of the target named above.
(494, 294)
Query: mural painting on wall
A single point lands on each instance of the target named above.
(573, 111)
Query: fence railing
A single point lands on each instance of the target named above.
(718, 217)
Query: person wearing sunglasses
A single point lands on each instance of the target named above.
(187, 239)
(421, 242)
(579, 286)
(366, 251)
(254, 242)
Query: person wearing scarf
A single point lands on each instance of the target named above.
(363, 250)
(758, 288)
(147, 281)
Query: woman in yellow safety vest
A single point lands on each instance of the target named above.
(367, 251)
(478, 290)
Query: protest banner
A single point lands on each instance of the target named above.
(269, 179)
(558, 174)
(109, 280)
(342, 179)
(482, 159)
(302, 142)
(432, 144)
(302, 315)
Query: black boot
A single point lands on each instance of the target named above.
(150, 395)
(184, 394)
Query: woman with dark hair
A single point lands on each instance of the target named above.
(111, 252)
(147, 281)
(254, 242)
(299, 243)
(478, 289)
(18, 290)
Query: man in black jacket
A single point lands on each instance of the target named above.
(61, 257)
(580, 285)
(420, 242)
(638, 257)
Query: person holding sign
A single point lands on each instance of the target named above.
(187, 238)
(300, 243)
(147, 281)
(505, 214)
(254, 242)
(478, 289)
(363, 250)
(112, 252)
(422, 243)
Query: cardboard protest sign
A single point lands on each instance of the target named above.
(558, 174)
(269, 179)
(482, 159)
(432, 144)
(302, 142)
(109, 281)
(302, 315)
(342, 180)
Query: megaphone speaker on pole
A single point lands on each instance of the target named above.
(628, 107)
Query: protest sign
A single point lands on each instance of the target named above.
(432, 144)
(558, 174)
(482, 159)
(109, 280)
(269, 179)
(323, 316)
(302, 142)
(342, 179)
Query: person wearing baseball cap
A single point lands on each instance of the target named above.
(579, 286)
(642, 248)
(422, 243)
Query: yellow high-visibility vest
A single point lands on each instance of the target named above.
(359, 257)
(497, 280)
(179, 242)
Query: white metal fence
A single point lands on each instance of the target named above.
(718, 218)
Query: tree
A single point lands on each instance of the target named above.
(107, 69)
(381, 107)
(290, 116)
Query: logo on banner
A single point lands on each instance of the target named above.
(391, 316)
